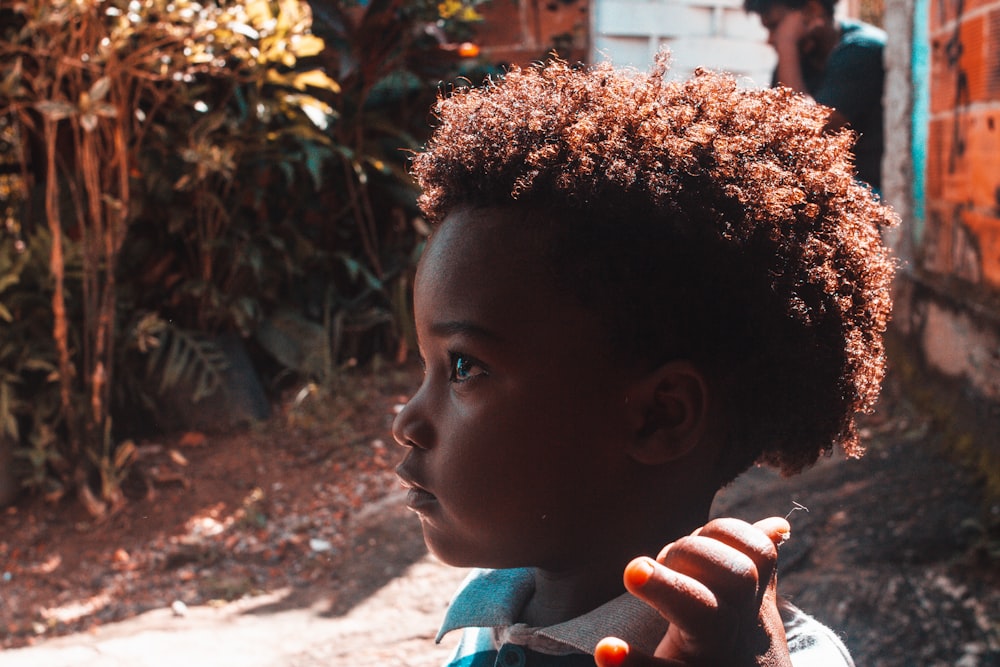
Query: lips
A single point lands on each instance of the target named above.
(420, 501)
(418, 498)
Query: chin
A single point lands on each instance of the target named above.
(446, 550)
(460, 554)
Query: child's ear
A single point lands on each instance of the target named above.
(670, 410)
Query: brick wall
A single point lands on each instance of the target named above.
(963, 147)
(524, 31)
(942, 168)
(954, 308)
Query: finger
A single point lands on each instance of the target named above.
(614, 652)
(730, 574)
(759, 545)
(681, 599)
(776, 528)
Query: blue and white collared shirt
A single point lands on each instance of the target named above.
(487, 602)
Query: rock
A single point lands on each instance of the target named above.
(295, 342)
(240, 401)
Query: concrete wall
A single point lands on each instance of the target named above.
(712, 33)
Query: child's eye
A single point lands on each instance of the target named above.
(465, 368)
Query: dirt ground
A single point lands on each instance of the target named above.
(894, 550)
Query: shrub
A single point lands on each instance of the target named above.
(176, 169)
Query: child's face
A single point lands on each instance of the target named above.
(517, 435)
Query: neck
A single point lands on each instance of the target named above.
(561, 595)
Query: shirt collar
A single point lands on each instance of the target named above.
(493, 598)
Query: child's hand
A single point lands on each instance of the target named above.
(717, 587)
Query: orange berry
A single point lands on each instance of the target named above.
(468, 50)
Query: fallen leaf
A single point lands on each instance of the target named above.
(193, 439)
(177, 457)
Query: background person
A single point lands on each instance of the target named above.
(839, 63)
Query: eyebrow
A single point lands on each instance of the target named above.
(463, 327)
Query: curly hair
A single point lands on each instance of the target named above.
(701, 220)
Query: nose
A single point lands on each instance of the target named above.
(410, 427)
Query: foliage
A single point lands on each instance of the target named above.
(210, 247)
(172, 170)
(391, 58)
(29, 389)
(92, 88)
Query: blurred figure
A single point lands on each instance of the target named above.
(836, 62)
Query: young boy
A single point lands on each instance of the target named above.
(635, 289)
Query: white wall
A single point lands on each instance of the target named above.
(716, 34)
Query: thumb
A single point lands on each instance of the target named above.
(614, 652)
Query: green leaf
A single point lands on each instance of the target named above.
(10, 279)
(188, 357)
(11, 87)
(306, 45)
(315, 158)
(8, 420)
(316, 78)
(39, 365)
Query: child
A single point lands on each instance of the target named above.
(635, 289)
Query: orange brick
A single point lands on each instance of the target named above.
(944, 69)
(982, 139)
(963, 159)
(935, 247)
(974, 54)
(949, 161)
(522, 32)
(993, 55)
(985, 229)
(943, 11)
(978, 4)
(936, 163)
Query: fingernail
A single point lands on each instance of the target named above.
(662, 556)
(638, 572)
(611, 652)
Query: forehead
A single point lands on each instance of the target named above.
(478, 231)
(491, 267)
(488, 249)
